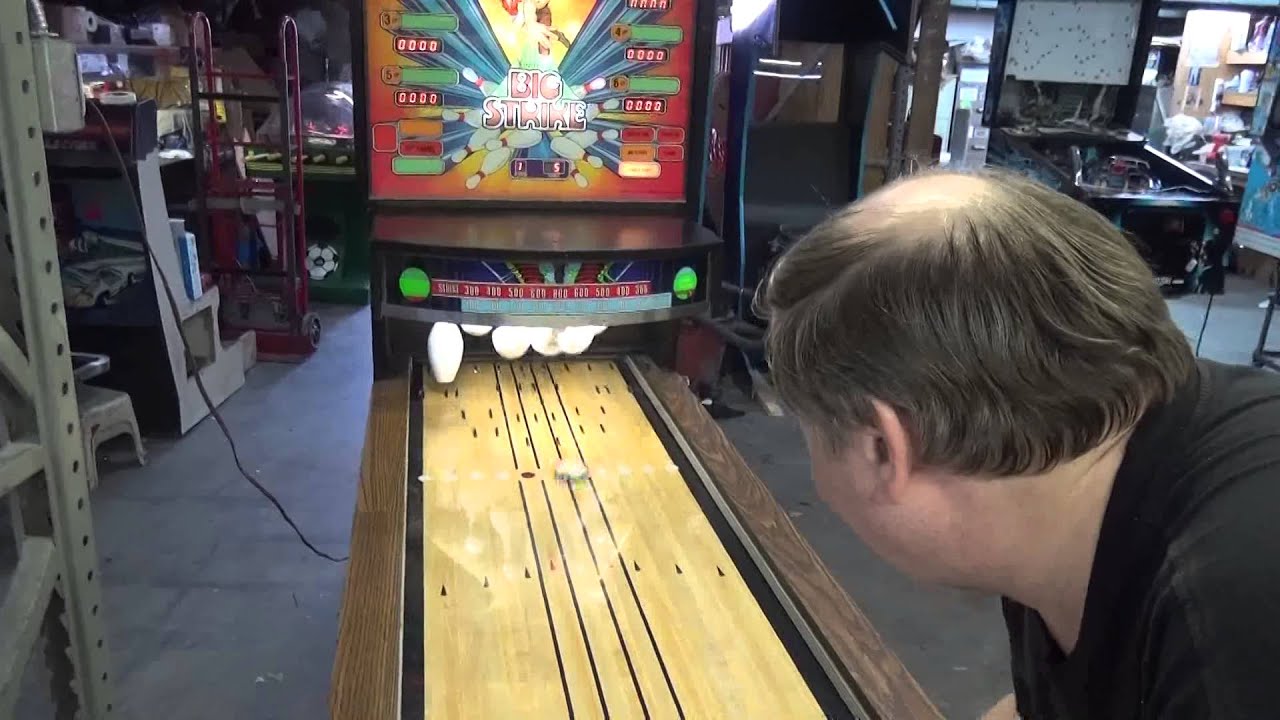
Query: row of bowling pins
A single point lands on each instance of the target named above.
(444, 343)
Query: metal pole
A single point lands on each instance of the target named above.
(74, 630)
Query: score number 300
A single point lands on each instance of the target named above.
(649, 105)
(417, 98)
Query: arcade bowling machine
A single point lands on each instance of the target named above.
(548, 523)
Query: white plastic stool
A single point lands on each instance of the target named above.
(105, 414)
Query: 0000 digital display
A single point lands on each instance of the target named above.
(530, 100)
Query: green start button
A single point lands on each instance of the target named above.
(415, 284)
(686, 283)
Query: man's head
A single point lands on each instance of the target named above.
(953, 329)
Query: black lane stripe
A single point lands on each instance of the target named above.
(497, 380)
(577, 608)
(635, 596)
(546, 601)
(528, 432)
(545, 411)
(608, 601)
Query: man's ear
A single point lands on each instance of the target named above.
(890, 450)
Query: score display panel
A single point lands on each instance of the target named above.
(529, 100)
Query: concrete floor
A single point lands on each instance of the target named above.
(215, 611)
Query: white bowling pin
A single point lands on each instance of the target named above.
(594, 109)
(575, 340)
(543, 340)
(477, 143)
(583, 90)
(510, 342)
(471, 117)
(472, 77)
(493, 162)
(579, 178)
(476, 330)
(567, 149)
(444, 351)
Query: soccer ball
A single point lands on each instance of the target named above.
(322, 261)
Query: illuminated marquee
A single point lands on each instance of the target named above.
(535, 101)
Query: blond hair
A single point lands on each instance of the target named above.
(1011, 327)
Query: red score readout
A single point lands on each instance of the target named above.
(647, 105)
(647, 54)
(405, 44)
(417, 98)
(649, 4)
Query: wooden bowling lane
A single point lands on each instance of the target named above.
(735, 656)
(612, 598)
(490, 650)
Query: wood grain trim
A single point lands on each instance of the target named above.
(366, 669)
(883, 685)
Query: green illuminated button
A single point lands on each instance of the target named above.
(408, 165)
(428, 76)
(415, 284)
(654, 84)
(657, 34)
(685, 284)
(429, 22)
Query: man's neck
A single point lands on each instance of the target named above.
(1045, 552)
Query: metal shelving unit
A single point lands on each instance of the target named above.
(54, 592)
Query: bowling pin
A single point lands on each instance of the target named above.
(479, 139)
(472, 77)
(471, 117)
(444, 351)
(587, 88)
(510, 342)
(570, 150)
(476, 330)
(575, 340)
(518, 139)
(493, 162)
(567, 149)
(594, 109)
(579, 178)
(543, 340)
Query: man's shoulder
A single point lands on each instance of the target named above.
(1210, 635)
(1221, 478)
(1228, 449)
(1228, 392)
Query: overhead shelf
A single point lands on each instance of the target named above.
(1247, 58)
(1235, 99)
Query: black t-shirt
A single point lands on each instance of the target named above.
(1182, 614)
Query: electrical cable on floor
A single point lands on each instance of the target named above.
(1204, 324)
(186, 347)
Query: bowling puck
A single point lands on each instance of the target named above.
(572, 471)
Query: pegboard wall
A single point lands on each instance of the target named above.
(1073, 41)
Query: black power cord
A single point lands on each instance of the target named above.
(1204, 324)
(186, 347)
